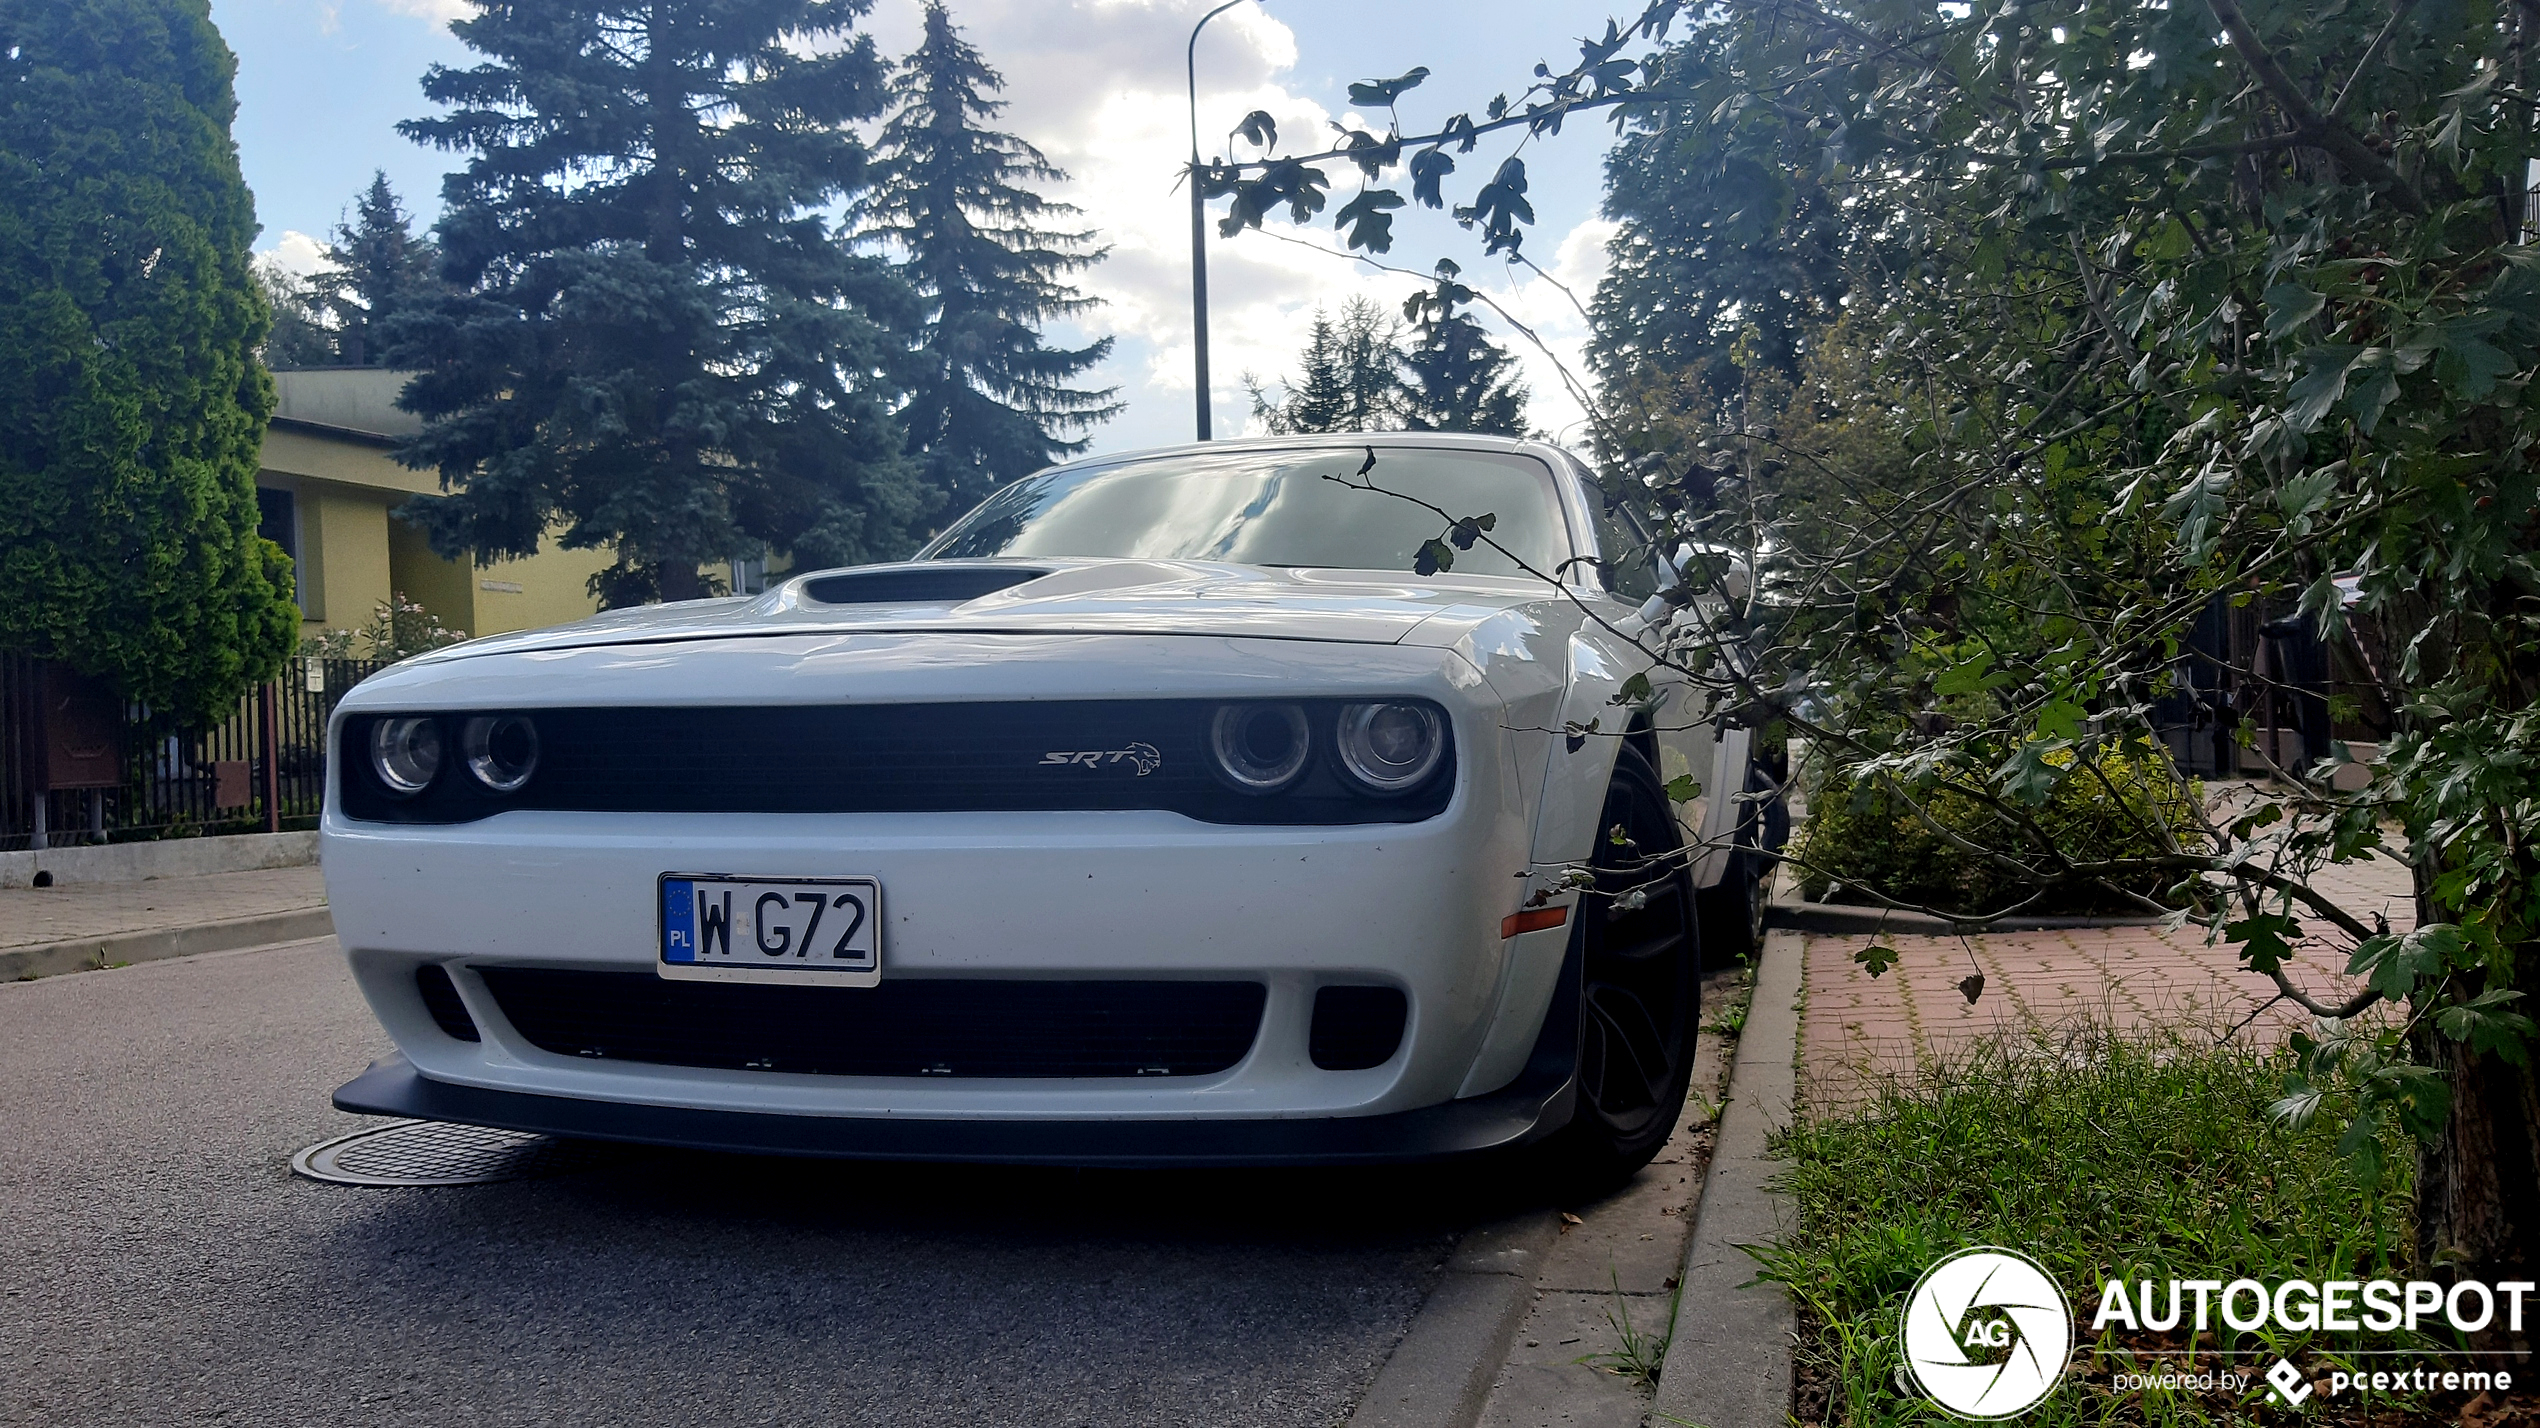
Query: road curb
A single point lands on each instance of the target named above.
(87, 954)
(1441, 1373)
(1729, 1363)
(161, 858)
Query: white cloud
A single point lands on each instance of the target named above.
(1098, 86)
(440, 12)
(295, 253)
(1551, 304)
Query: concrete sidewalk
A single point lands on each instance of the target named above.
(83, 925)
(1859, 1030)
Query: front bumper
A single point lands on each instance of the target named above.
(1011, 896)
(1523, 1112)
(1065, 897)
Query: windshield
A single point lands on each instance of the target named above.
(1285, 508)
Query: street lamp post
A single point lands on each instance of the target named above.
(1199, 228)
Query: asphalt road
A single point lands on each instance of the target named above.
(160, 1264)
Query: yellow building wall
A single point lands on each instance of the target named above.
(354, 552)
(344, 544)
(440, 586)
(549, 588)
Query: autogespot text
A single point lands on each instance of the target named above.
(2306, 1306)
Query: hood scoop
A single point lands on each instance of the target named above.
(917, 585)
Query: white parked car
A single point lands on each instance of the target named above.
(1156, 812)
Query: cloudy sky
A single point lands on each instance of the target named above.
(1098, 85)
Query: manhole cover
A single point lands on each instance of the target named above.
(439, 1153)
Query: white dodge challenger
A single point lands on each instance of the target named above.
(1157, 812)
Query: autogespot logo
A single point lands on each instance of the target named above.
(1987, 1332)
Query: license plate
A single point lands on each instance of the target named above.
(724, 928)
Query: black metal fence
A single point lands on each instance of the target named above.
(261, 770)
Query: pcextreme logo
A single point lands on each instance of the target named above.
(1987, 1331)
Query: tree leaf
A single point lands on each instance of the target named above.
(2489, 1025)
(1429, 169)
(1975, 675)
(2289, 306)
(2265, 939)
(1381, 93)
(2324, 381)
(2470, 365)
(1370, 226)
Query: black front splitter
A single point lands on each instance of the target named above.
(1534, 1106)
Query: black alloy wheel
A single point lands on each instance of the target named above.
(1640, 986)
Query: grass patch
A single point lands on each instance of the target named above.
(2102, 1158)
(1639, 1353)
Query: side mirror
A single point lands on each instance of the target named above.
(1738, 579)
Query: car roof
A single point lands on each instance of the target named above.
(1342, 441)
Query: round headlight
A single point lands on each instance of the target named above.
(1260, 748)
(1390, 748)
(406, 754)
(502, 751)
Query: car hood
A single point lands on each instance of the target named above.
(1151, 597)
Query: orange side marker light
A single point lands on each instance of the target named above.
(1534, 921)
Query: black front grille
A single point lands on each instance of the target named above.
(909, 1027)
(885, 758)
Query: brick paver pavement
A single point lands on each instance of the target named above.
(35, 916)
(1858, 1030)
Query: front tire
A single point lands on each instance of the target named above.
(1637, 944)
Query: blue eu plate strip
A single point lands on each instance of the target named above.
(678, 920)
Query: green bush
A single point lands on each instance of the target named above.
(1863, 833)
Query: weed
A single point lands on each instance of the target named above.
(1640, 1354)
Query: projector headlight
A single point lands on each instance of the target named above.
(1259, 748)
(1390, 748)
(406, 754)
(502, 751)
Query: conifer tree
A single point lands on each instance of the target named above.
(989, 399)
(658, 342)
(1351, 376)
(131, 403)
(1454, 377)
(377, 270)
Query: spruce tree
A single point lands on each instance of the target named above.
(658, 342)
(1454, 377)
(377, 270)
(1351, 376)
(989, 400)
(131, 402)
